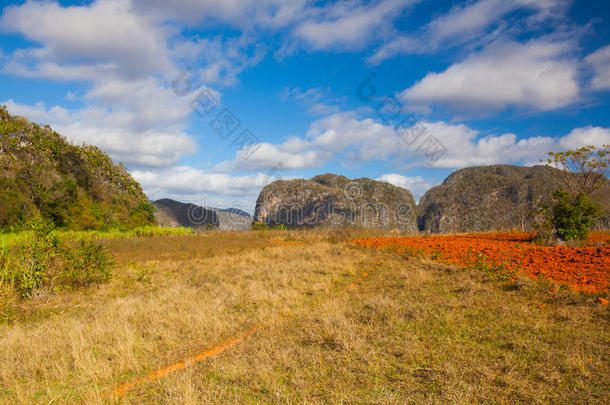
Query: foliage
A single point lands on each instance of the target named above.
(85, 265)
(75, 187)
(280, 227)
(145, 231)
(33, 257)
(573, 217)
(259, 226)
(13, 239)
(4, 263)
(41, 260)
(582, 170)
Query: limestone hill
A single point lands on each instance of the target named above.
(77, 187)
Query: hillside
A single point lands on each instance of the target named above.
(170, 213)
(76, 187)
(332, 200)
(479, 199)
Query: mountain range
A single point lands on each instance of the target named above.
(80, 187)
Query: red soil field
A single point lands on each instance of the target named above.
(583, 268)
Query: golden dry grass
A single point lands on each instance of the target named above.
(409, 332)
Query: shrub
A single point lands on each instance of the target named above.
(280, 227)
(34, 257)
(573, 217)
(85, 265)
(39, 257)
(4, 264)
(259, 226)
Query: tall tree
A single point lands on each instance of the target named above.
(582, 170)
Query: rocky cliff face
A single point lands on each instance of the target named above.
(479, 199)
(332, 200)
(173, 214)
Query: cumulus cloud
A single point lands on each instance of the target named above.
(119, 133)
(590, 135)
(474, 21)
(599, 61)
(347, 138)
(329, 138)
(210, 189)
(416, 185)
(85, 42)
(244, 14)
(129, 108)
(349, 25)
(538, 74)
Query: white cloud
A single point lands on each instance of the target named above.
(467, 147)
(349, 25)
(189, 184)
(538, 74)
(86, 41)
(345, 24)
(328, 138)
(474, 21)
(349, 139)
(579, 137)
(600, 62)
(116, 132)
(219, 60)
(416, 185)
(128, 107)
(317, 100)
(244, 14)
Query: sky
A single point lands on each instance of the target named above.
(207, 102)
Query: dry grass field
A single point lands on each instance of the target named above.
(317, 320)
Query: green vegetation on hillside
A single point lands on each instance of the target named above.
(75, 187)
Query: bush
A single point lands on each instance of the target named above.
(573, 217)
(39, 260)
(280, 227)
(259, 226)
(4, 263)
(34, 257)
(85, 265)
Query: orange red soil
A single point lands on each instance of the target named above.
(583, 268)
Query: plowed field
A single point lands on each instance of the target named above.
(584, 268)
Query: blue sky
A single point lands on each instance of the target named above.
(208, 101)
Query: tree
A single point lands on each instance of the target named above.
(582, 172)
(573, 217)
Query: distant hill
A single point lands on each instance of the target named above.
(171, 213)
(332, 200)
(235, 211)
(77, 187)
(488, 198)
